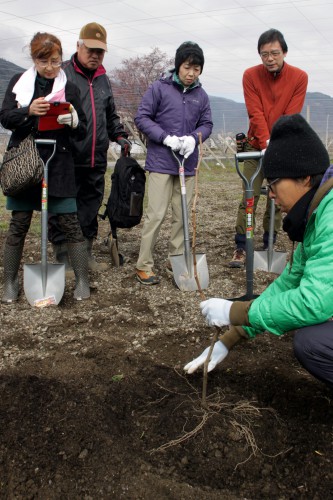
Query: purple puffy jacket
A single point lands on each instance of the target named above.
(166, 109)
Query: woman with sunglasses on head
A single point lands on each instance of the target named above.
(27, 99)
(300, 179)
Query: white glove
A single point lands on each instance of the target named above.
(173, 142)
(70, 119)
(216, 311)
(219, 353)
(188, 145)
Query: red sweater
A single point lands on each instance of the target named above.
(269, 96)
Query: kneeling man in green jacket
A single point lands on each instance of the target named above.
(300, 180)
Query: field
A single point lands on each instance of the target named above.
(95, 403)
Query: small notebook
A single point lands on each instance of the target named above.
(49, 121)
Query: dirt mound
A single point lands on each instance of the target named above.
(95, 403)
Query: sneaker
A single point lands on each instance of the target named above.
(147, 278)
(168, 268)
(238, 259)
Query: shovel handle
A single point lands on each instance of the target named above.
(250, 155)
(45, 141)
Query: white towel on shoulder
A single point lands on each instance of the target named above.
(25, 86)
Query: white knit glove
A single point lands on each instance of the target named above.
(188, 145)
(173, 142)
(70, 119)
(219, 353)
(216, 311)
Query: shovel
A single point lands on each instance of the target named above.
(270, 260)
(182, 265)
(249, 199)
(44, 283)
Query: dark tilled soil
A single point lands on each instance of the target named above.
(95, 403)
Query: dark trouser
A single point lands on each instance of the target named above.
(20, 223)
(249, 169)
(90, 184)
(313, 347)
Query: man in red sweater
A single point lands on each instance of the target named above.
(271, 89)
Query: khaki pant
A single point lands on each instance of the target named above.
(249, 168)
(163, 189)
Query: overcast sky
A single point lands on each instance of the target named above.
(226, 30)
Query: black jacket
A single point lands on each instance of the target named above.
(61, 167)
(103, 123)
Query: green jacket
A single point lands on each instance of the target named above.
(303, 294)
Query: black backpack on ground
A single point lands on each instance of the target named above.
(125, 204)
(124, 207)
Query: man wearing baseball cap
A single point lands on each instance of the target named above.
(85, 69)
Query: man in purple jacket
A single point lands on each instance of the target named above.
(172, 112)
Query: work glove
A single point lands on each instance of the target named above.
(71, 119)
(173, 142)
(188, 145)
(216, 311)
(124, 144)
(219, 353)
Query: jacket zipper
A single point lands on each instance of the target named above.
(93, 146)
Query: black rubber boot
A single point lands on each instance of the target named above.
(60, 252)
(79, 258)
(11, 262)
(93, 265)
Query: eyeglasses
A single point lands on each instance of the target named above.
(44, 64)
(270, 184)
(274, 54)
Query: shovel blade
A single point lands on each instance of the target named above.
(185, 278)
(42, 293)
(277, 264)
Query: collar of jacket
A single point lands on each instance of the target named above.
(99, 71)
(277, 74)
(324, 188)
(175, 79)
(294, 223)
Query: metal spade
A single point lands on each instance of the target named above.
(185, 265)
(270, 260)
(44, 283)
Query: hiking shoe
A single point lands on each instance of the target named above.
(238, 259)
(147, 278)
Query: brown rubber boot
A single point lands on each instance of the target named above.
(92, 264)
(60, 252)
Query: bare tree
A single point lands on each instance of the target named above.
(133, 77)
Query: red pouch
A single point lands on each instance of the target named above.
(49, 121)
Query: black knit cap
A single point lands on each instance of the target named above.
(189, 51)
(294, 150)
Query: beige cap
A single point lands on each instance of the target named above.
(93, 36)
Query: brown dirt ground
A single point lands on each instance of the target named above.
(93, 394)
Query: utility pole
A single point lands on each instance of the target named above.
(308, 113)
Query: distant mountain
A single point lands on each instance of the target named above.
(7, 70)
(229, 116)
